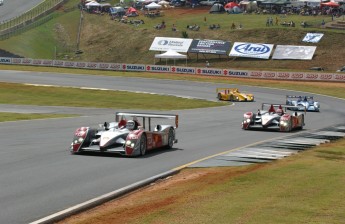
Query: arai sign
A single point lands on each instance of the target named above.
(251, 50)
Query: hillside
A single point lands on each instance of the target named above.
(106, 40)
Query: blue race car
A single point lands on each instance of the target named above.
(302, 103)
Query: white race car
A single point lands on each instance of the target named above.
(275, 118)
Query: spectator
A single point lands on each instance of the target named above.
(207, 64)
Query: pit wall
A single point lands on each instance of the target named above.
(273, 75)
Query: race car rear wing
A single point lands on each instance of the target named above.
(283, 106)
(146, 116)
(301, 97)
(228, 90)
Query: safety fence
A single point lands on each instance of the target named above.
(216, 72)
(21, 23)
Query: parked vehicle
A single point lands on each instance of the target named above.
(342, 69)
(177, 3)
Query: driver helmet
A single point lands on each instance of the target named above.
(130, 125)
(279, 112)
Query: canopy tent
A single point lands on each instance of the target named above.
(217, 8)
(132, 12)
(105, 5)
(171, 54)
(153, 5)
(249, 5)
(275, 2)
(230, 5)
(163, 2)
(330, 4)
(92, 4)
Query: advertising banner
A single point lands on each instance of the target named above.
(183, 70)
(312, 37)
(294, 52)
(157, 68)
(235, 73)
(168, 43)
(251, 50)
(209, 71)
(5, 60)
(210, 47)
(133, 67)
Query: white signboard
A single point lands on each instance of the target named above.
(167, 43)
(312, 37)
(251, 50)
(294, 52)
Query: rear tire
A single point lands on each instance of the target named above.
(171, 138)
(142, 145)
(302, 123)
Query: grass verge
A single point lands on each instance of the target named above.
(325, 88)
(19, 116)
(59, 96)
(304, 188)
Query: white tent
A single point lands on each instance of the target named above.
(92, 4)
(163, 2)
(171, 54)
(153, 5)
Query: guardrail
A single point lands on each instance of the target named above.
(216, 72)
(11, 27)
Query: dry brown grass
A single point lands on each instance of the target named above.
(123, 43)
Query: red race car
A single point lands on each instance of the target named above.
(132, 134)
(275, 118)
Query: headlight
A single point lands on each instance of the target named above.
(80, 139)
(130, 144)
(248, 120)
(283, 123)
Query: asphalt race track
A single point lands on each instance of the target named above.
(13, 8)
(39, 176)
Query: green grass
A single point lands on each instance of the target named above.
(306, 188)
(19, 116)
(56, 96)
(303, 188)
(330, 89)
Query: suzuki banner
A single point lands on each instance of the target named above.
(251, 50)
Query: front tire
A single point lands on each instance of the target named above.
(219, 96)
(142, 146)
(290, 125)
